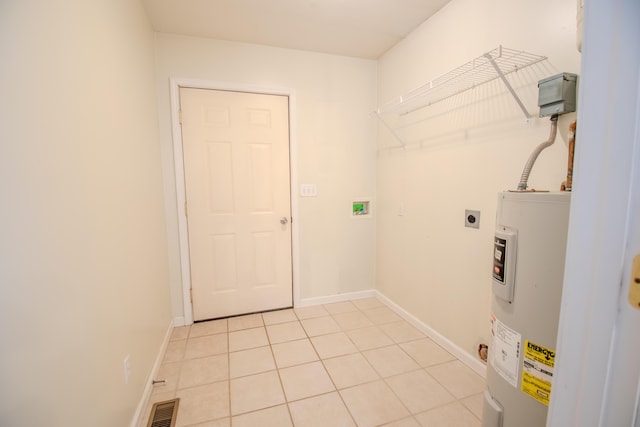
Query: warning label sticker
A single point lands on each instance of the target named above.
(504, 353)
(537, 371)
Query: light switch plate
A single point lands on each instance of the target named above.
(308, 190)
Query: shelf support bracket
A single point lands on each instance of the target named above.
(508, 85)
(390, 129)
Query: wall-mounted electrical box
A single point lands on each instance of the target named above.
(557, 94)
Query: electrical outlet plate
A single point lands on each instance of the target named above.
(471, 218)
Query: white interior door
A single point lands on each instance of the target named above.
(237, 184)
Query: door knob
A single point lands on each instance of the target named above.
(284, 220)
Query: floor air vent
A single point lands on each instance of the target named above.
(163, 414)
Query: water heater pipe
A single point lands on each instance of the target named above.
(522, 185)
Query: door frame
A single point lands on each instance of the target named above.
(595, 347)
(178, 156)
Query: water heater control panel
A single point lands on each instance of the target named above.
(504, 262)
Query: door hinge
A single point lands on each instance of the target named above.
(185, 209)
(180, 116)
(191, 295)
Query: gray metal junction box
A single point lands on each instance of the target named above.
(557, 94)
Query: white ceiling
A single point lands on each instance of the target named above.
(359, 28)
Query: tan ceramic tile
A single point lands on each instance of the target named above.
(401, 332)
(333, 345)
(180, 333)
(426, 352)
(245, 322)
(475, 404)
(170, 374)
(279, 316)
(459, 379)
(310, 312)
(373, 404)
(174, 351)
(340, 307)
(204, 370)
(256, 392)
(294, 353)
(223, 422)
(453, 414)
(206, 346)
(247, 338)
(369, 338)
(306, 380)
(249, 362)
(326, 410)
(406, 422)
(283, 332)
(350, 370)
(208, 328)
(367, 303)
(352, 320)
(320, 326)
(204, 403)
(382, 315)
(388, 361)
(161, 397)
(278, 416)
(419, 391)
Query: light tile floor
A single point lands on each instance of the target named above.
(353, 363)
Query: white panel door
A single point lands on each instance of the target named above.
(236, 162)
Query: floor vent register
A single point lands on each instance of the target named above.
(163, 414)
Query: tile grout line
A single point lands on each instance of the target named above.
(284, 394)
(383, 379)
(337, 390)
(421, 368)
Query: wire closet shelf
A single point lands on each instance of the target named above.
(495, 64)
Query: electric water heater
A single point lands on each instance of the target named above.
(528, 270)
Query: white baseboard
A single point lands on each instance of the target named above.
(307, 302)
(154, 371)
(478, 366)
(179, 321)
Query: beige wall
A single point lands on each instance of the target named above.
(83, 252)
(428, 262)
(335, 149)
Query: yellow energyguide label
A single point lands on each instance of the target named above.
(537, 371)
